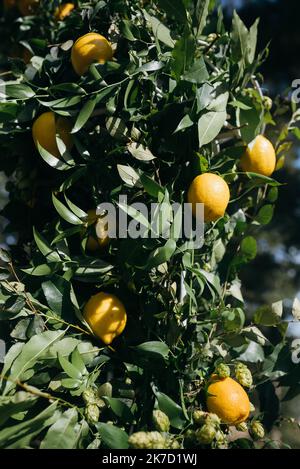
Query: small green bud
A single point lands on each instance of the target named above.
(161, 421)
(257, 430)
(242, 427)
(212, 37)
(190, 435)
(206, 434)
(223, 370)
(92, 413)
(199, 417)
(243, 375)
(268, 103)
(105, 390)
(147, 440)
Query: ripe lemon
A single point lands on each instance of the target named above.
(100, 239)
(27, 7)
(212, 191)
(88, 49)
(44, 132)
(106, 316)
(259, 157)
(63, 11)
(228, 400)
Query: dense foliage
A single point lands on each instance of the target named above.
(181, 97)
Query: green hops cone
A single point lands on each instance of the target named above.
(199, 417)
(221, 440)
(257, 430)
(242, 427)
(223, 370)
(243, 375)
(206, 434)
(92, 413)
(147, 440)
(89, 396)
(161, 421)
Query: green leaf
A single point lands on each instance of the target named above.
(202, 13)
(113, 437)
(20, 436)
(85, 114)
(41, 270)
(151, 186)
(197, 73)
(19, 91)
(171, 409)
(22, 368)
(68, 368)
(54, 162)
(174, 8)
(249, 248)
(204, 95)
(157, 348)
(128, 175)
(183, 54)
(185, 123)
(140, 152)
(120, 409)
(209, 126)
(117, 128)
(160, 31)
(161, 255)
(265, 215)
(65, 213)
(266, 316)
(45, 248)
(62, 434)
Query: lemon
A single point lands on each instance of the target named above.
(212, 191)
(259, 157)
(63, 11)
(228, 400)
(106, 316)
(100, 239)
(44, 132)
(88, 49)
(27, 7)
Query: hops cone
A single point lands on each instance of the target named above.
(147, 440)
(243, 375)
(257, 430)
(161, 421)
(206, 434)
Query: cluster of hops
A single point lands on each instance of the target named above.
(207, 430)
(94, 405)
(158, 439)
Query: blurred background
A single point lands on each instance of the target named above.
(275, 274)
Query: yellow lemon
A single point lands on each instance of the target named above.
(100, 239)
(212, 191)
(44, 132)
(228, 400)
(106, 316)
(88, 49)
(63, 11)
(27, 7)
(259, 157)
